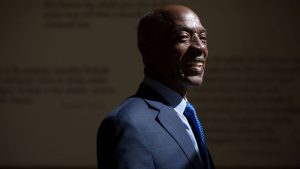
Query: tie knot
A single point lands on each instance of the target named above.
(189, 110)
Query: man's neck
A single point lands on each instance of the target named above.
(180, 89)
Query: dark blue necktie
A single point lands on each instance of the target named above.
(191, 115)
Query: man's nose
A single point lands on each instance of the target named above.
(197, 43)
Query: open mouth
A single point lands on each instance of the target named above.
(195, 67)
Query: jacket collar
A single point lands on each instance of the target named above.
(169, 120)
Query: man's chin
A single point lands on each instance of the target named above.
(193, 80)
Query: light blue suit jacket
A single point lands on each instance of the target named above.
(144, 132)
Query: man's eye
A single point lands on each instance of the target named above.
(203, 40)
(183, 38)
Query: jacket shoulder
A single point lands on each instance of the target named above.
(132, 109)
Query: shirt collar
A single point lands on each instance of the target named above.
(172, 97)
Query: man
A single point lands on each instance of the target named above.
(154, 128)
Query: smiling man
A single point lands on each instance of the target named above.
(157, 127)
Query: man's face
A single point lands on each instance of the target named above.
(183, 52)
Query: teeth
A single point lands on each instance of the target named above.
(197, 68)
(196, 63)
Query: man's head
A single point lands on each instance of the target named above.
(173, 44)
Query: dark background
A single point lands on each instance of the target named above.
(65, 63)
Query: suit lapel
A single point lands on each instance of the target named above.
(170, 121)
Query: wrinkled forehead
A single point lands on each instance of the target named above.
(185, 18)
(190, 18)
(190, 21)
